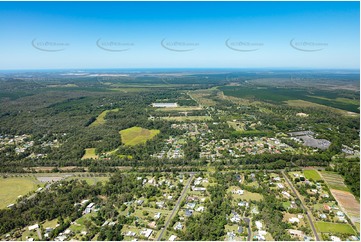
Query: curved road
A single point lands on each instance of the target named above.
(176, 207)
(303, 206)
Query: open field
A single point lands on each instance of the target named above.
(101, 118)
(90, 180)
(349, 203)
(90, 154)
(181, 109)
(312, 174)
(251, 196)
(246, 195)
(137, 135)
(280, 95)
(334, 181)
(238, 126)
(11, 188)
(326, 227)
(306, 104)
(203, 97)
(190, 118)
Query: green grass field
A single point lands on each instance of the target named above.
(326, 227)
(137, 135)
(101, 118)
(188, 118)
(11, 188)
(312, 174)
(90, 154)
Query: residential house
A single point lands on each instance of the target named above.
(89, 208)
(200, 209)
(146, 233)
(33, 227)
(172, 237)
(178, 226)
(293, 220)
(335, 238)
(157, 216)
(191, 205)
(130, 234)
(296, 233)
(188, 213)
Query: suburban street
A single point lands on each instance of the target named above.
(176, 207)
(308, 213)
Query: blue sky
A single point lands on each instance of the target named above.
(41, 35)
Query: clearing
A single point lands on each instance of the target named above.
(11, 188)
(90, 154)
(101, 118)
(181, 108)
(137, 135)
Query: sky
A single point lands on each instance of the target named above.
(85, 35)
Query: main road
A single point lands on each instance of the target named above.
(176, 207)
(308, 213)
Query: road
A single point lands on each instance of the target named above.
(39, 234)
(308, 213)
(247, 220)
(176, 207)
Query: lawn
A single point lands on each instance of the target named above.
(51, 223)
(325, 227)
(90, 154)
(286, 205)
(101, 118)
(251, 196)
(312, 174)
(137, 135)
(11, 188)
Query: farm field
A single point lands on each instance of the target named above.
(190, 118)
(312, 174)
(11, 188)
(347, 201)
(90, 154)
(326, 227)
(334, 181)
(137, 135)
(101, 118)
